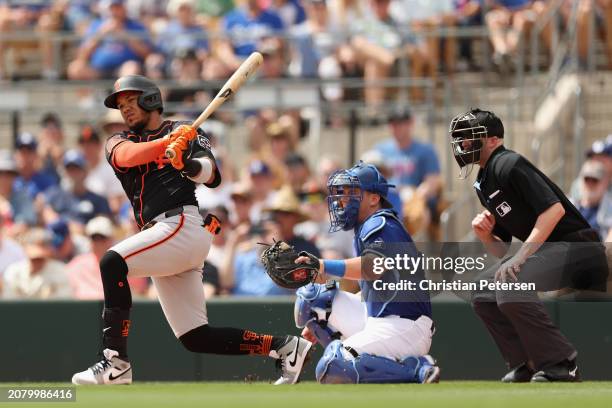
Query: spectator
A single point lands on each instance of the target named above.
(468, 13)
(600, 151)
(183, 32)
(20, 17)
(65, 244)
(262, 180)
(595, 203)
(377, 43)
(508, 21)
(15, 205)
(113, 46)
(112, 123)
(318, 42)
(298, 171)
(285, 211)
(31, 178)
(186, 69)
(275, 59)
(73, 200)
(290, 12)
(243, 273)
(84, 270)
(313, 201)
(427, 17)
(249, 22)
(39, 276)
(416, 172)
(215, 254)
(242, 200)
(10, 251)
(101, 179)
(51, 146)
(344, 13)
(210, 280)
(327, 166)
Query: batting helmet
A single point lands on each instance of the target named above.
(343, 200)
(150, 98)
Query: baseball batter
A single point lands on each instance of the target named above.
(382, 336)
(173, 242)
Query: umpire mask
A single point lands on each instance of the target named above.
(466, 134)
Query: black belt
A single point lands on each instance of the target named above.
(167, 214)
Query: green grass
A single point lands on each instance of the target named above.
(467, 394)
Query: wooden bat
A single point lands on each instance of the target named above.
(238, 78)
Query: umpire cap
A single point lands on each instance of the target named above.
(150, 98)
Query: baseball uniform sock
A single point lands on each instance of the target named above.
(114, 272)
(116, 330)
(226, 340)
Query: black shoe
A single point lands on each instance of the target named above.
(565, 371)
(519, 374)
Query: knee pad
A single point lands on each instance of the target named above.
(336, 366)
(312, 309)
(113, 264)
(113, 271)
(339, 366)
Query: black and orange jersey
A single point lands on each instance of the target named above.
(153, 190)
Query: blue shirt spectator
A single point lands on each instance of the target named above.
(411, 164)
(182, 32)
(76, 203)
(113, 50)
(251, 278)
(21, 204)
(30, 180)
(245, 28)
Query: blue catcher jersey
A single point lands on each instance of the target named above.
(383, 234)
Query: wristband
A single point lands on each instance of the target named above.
(336, 267)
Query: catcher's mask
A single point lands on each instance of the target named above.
(150, 98)
(467, 132)
(346, 189)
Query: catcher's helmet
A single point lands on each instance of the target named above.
(150, 98)
(344, 199)
(466, 133)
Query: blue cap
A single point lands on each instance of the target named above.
(257, 167)
(372, 180)
(59, 231)
(74, 157)
(26, 140)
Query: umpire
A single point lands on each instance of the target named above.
(559, 250)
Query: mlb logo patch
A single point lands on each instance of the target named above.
(503, 209)
(204, 142)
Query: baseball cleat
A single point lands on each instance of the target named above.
(108, 371)
(519, 374)
(291, 357)
(429, 372)
(565, 371)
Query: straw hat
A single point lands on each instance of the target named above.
(286, 201)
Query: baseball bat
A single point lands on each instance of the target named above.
(231, 86)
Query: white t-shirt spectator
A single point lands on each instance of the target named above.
(10, 252)
(102, 180)
(50, 283)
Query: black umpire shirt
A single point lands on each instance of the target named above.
(516, 193)
(153, 190)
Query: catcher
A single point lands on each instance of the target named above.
(384, 335)
(173, 243)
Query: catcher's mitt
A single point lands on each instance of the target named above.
(279, 261)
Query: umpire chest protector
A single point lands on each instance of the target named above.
(516, 193)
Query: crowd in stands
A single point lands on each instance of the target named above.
(62, 207)
(194, 40)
